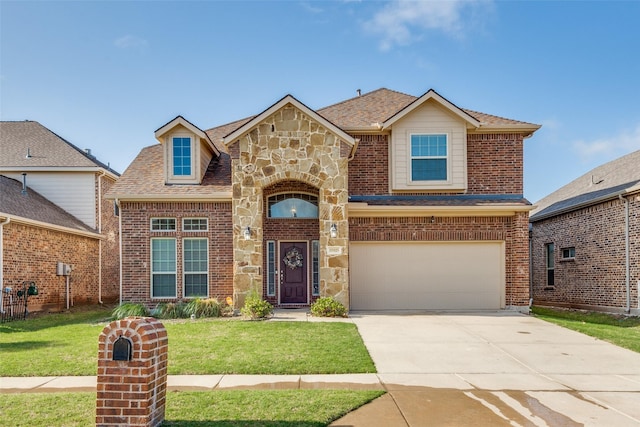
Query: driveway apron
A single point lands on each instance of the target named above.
(494, 368)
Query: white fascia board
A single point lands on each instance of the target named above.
(49, 226)
(209, 197)
(27, 169)
(233, 136)
(364, 210)
(190, 127)
(523, 128)
(432, 94)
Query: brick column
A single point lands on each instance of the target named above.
(132, 392)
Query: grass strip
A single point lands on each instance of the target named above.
(623, 331)
(280, 408)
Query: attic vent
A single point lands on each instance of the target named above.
(359, 92)
(28, 156)
(24, 184)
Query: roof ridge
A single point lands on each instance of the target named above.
(362, 96)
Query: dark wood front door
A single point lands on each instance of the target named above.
(293, 272)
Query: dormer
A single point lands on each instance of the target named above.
(429, 145)
(187, 151)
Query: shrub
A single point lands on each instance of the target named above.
(328, 307)
(209, 307)
(255, 307)
(170, 310)
(129, 309)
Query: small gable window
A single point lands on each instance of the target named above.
(293, 205)
(182, 156)
(429, 157)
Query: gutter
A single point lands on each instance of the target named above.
(626, 250)
(2, 224)
(102, 174)
(119, 248)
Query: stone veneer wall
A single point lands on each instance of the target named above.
(290, 146)
(596, 277)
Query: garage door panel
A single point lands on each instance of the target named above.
(439, 276)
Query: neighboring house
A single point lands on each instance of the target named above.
(52, 210)
(383, 201)
(585, 241)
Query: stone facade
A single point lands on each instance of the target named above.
(596, 277)
(289, 146)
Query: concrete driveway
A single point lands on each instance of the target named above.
(494, 369)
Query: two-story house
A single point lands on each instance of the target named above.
(52, 211)
(383, 201)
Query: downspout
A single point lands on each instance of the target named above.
(2, 224)
(103, 173)
(626, 247)
(120, 247)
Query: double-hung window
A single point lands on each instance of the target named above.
(182, 156)
(196, 267)
(163, 267)
(429, 157)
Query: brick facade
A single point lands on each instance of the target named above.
(132, 392)
(31, 253)
(110, 254)
(136, 255)
(369, 168)
(596, 277)
(495, 163)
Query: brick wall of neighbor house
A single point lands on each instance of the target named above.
(110, 243)
(31, 253)
(136, 256)
(596, 278)
(369, 168)
(495, 163)
(511, 229)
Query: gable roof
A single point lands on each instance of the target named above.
(181, 121)
(33, 208)
(288, 99)
(617, 177)
(28, 145)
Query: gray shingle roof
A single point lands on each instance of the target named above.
(34, 206)
(604, 182)
(46, 149)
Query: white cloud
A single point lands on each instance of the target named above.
(402, 21)
(310, 8)
(624, 142)
(129, 42)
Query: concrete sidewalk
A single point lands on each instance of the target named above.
(452, 369)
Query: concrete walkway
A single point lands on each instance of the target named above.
(453, 369)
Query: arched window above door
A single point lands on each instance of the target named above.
(292, 205)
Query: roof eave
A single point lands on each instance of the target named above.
(496, 209)
(288, 99)
(526, 129)
(47, 225)
(220, 196)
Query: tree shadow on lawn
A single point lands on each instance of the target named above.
(25, 346)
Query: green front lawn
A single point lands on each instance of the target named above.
(67, 344)
(623, 331)
(234, 408)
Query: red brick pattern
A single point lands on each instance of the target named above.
(31, 253)
(110, 252)
(596, 278)
(495, 163)
(510, 229)
(136, 255)
(132, 393)
(369, 168)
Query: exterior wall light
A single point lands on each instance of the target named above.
(247, 233)
(333, 231)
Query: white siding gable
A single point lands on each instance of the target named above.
(72, 191)
(429, 118)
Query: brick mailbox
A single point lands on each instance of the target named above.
(132, 373)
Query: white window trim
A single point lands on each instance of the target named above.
(198, 218)
(184, 271)
(184, 179)
(162, 231)
(429, 184)
(151, 272)
(272, 273)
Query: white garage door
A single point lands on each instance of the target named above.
(427, 276)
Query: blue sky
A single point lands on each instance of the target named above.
(106, 74)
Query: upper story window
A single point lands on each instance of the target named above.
(182, 156)
(568, 253)
(429, 157)
(163, 224)
(293, 205)
(194, 224)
